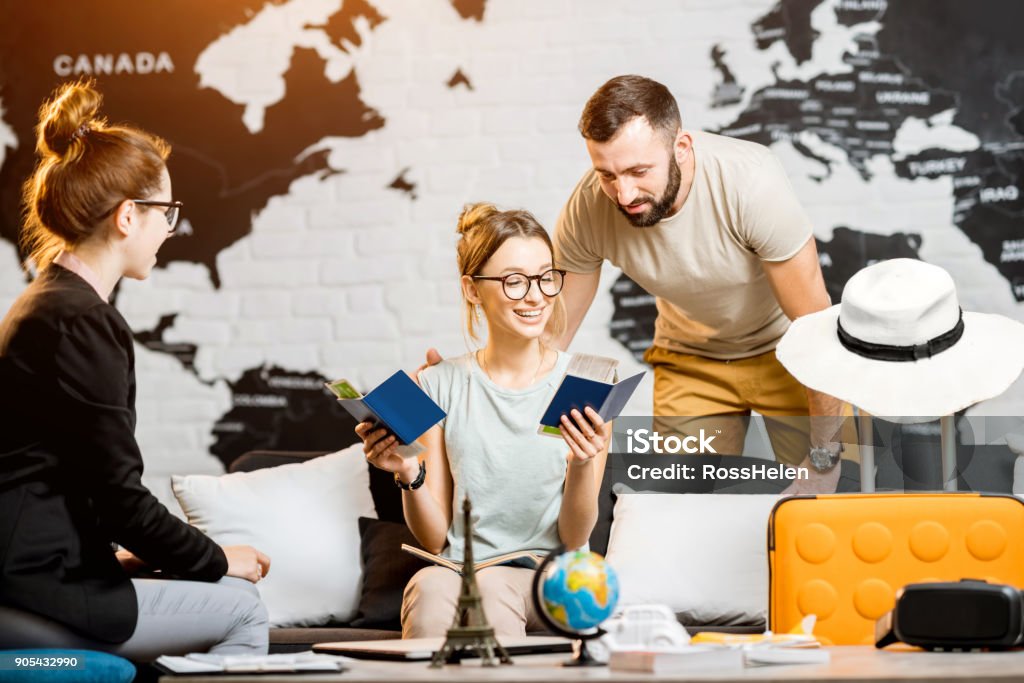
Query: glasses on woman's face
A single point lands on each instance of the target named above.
(172, 212)
(517, 285)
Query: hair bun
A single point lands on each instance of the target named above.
(67, 117)
(473, 214)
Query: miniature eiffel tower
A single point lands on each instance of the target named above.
(470, 630)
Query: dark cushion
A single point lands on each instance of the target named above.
(605, 505)
(386, 571)
(90, 667)
(387, 498)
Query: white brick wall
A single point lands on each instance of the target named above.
(350, 278)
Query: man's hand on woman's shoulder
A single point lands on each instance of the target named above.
(433, 358)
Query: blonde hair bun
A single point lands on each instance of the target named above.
(85, 170)
(474, 214)
(67, 117)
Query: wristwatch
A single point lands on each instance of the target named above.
(415, 483)
(825, 459)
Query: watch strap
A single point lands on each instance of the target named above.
(415, 483)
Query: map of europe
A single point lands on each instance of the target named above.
(927, 57)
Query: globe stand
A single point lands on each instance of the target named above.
(470, 631)
(581, 655)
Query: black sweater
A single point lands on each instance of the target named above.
(70, 468)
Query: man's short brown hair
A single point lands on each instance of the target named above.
(622, 99)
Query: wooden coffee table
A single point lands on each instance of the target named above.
(850, 663)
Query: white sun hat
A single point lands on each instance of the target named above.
(899, 346)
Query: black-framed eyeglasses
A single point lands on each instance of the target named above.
(171, 214)
(517, 285)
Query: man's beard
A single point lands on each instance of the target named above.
(660, 206)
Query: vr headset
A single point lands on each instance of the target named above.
(962, 615)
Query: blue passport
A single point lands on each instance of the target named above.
(579, 392)
(398, 404)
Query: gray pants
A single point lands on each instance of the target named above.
(178, 617)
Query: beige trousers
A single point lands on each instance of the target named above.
(430, 599)
(693, 393)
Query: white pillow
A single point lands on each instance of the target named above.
(703, 555)
(304, 516)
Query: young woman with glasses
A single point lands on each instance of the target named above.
(98, 207)
(529, 492)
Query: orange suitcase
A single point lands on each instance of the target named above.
(843, 557)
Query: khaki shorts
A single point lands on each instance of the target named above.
(693, 393)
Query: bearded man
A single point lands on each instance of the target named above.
(711, 227)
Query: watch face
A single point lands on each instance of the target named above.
(822, 459)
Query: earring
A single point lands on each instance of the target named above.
(479, 312)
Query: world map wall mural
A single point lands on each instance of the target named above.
(324, 148)
(903, 70)
(224, 172)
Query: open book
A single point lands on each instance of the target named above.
(589, 381)
(398, 404)
(200, 663)
(532, 558)
(684, 659)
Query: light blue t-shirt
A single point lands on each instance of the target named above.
(513, 475)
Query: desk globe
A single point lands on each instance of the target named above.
(573, 592)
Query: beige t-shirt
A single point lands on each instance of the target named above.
(704, 263)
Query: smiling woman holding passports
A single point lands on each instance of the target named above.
(530, 492)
